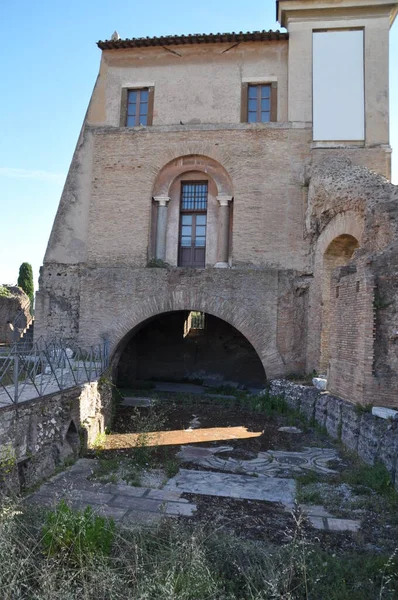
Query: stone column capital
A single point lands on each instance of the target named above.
(162, 200)
(224, 200)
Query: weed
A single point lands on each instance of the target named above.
(106, 470)
(132, 475)
(7, 461)
(99, 442)
(157, 263)
(301, 378)
(90, 558)
(375, 477)
(360, 409)
(171, 467)
(76, 535)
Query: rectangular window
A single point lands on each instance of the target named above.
(193, 224)
(259, 102)
(137, 107)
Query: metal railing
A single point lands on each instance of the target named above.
(31, 370)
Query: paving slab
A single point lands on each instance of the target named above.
(121, 489)
(93, 497)
(334, 524)
(145, 504)
(290, 430)
(165, 495)
(178, 388)
(315, 510)
(179, 509)
(136, 401)
(234, 486)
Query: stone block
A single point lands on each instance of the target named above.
(320, 383)
(333, 417)
(370, 434)
(384, 413)
(350, 426)
(308, 400)
(388, 450)
(321, 407)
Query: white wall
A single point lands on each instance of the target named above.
(338, 85)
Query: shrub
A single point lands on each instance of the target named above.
(25, 281)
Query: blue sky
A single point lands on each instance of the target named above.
(50, 62)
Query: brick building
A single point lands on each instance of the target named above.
(224, 174)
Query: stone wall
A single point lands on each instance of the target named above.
(39, 435)
(17, 304)
(373, 438)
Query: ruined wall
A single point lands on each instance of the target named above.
(374, 439)
(58, 302)
(352, 334)
(11, 307)
(347, 201)
(41, 434)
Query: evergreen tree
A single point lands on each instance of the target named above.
(25, 281)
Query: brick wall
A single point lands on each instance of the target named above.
(351, 346)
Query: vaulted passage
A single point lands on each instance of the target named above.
(189, 345)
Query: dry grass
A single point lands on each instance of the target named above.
(176, 561)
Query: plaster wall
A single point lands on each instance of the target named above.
(193, 83)
(376, 40)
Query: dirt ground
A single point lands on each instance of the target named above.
(354, 491)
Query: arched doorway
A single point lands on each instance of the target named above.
(192, 213)
(187, 345)
(338, 253)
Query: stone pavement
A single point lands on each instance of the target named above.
(271, 463)
(246, 487)
(120, 501)
(143, 505)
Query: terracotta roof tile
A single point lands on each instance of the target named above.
(195, 38)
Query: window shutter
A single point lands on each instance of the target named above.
(123, 108)
(274, 101)
(150, 105)
(243, 104)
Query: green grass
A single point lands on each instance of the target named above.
(376, 477)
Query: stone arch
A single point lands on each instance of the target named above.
(338, 242)
(187, 300)
(72, 437)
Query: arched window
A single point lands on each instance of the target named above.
(193, 224)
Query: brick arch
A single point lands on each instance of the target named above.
(348, 229)
(192, 162)
(137, 316)
(348, 223)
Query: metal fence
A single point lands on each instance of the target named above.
(31, 370)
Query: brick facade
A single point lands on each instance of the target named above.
(282, 201)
